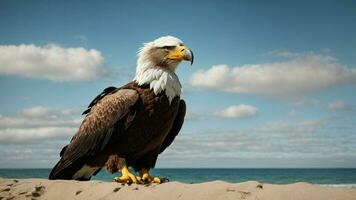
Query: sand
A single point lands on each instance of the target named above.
(61, 190)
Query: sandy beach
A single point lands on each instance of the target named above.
(59, 189)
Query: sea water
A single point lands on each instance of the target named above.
(326, 177)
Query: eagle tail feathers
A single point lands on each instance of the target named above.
(70, 172)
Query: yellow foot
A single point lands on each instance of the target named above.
(147, 178)
(127, 177)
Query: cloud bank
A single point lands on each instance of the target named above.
(297, 75)
(38, 123)
(34, 136)
(51, 62)
(307, 143)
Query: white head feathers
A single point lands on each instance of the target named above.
(159, 78)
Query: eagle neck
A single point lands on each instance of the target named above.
(159, 79)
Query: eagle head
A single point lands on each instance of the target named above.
(156, 64)
(164, 52)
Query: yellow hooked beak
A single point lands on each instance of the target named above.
(181, 53)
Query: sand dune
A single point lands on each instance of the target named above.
(58, 189)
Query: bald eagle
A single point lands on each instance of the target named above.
(130, 126)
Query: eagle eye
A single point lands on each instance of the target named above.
(169, 47)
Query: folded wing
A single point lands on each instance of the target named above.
(103, 115)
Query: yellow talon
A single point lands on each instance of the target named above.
(126, 176)
(156, 180)
(147, 178)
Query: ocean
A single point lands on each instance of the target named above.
(325, 177)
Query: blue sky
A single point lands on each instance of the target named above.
(273, 83)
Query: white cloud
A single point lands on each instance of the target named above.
(339, 105)
(307, 101)
(42, 111)
(294, 77)
(238, 111)
(19, 135)
(51, 62)
(28, 122)
(36, 111)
